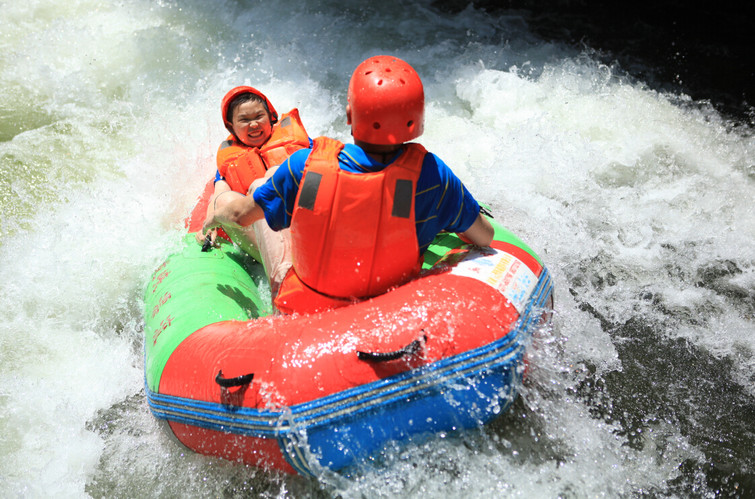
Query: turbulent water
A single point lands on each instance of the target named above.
(639, 202)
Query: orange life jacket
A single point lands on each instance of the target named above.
(241, 165)
(353, 235)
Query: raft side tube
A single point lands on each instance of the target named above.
(204, 314)
(333, 429)
(192, 289)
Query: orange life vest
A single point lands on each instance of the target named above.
(241, 165)
(353, 234)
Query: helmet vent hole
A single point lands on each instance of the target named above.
(368, 72)
(409, 124)
(376, 125)
(380, 82)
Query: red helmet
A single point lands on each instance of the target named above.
(235, 92)
(387, 101)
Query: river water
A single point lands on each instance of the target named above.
(638, 200)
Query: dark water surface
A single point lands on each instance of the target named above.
(703, 49)
(616, 139)
(705, 52)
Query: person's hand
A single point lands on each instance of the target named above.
(202, 235)
(210, 224)
(207, 239)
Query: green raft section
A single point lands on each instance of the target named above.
(192, 289)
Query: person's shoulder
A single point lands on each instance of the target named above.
(434, 163)
(432, 159)
(295, 163)
(300, 156)
(354, 158)
(232, 148)
(352, 148)
(433, 166)
(229, 151)
(231, 141)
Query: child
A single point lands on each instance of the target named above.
(259, 142)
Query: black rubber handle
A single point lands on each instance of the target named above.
(207, 246)
(231, 382)
(410, 349)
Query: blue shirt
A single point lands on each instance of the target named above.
(441, 200)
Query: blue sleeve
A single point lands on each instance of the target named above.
(442, 202)
(218, 176)
(276, 197)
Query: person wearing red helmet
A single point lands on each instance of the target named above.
(361, 215)
(258, 142)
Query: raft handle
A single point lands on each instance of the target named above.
(207, 246)
(242, 380)
(411, 349)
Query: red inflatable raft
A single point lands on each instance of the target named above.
(303, 393)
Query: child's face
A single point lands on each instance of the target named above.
(251, 124)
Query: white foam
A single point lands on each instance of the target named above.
(622, 191)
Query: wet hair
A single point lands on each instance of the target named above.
(241, 99)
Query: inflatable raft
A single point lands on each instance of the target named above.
(303, 393)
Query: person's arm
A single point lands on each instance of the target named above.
(446, 205)
(240, 212)
(480, 233)
(269, 173)
(277, 196)
(220, 187)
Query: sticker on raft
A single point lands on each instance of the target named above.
(500, 270)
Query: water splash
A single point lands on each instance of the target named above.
(638, 201)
